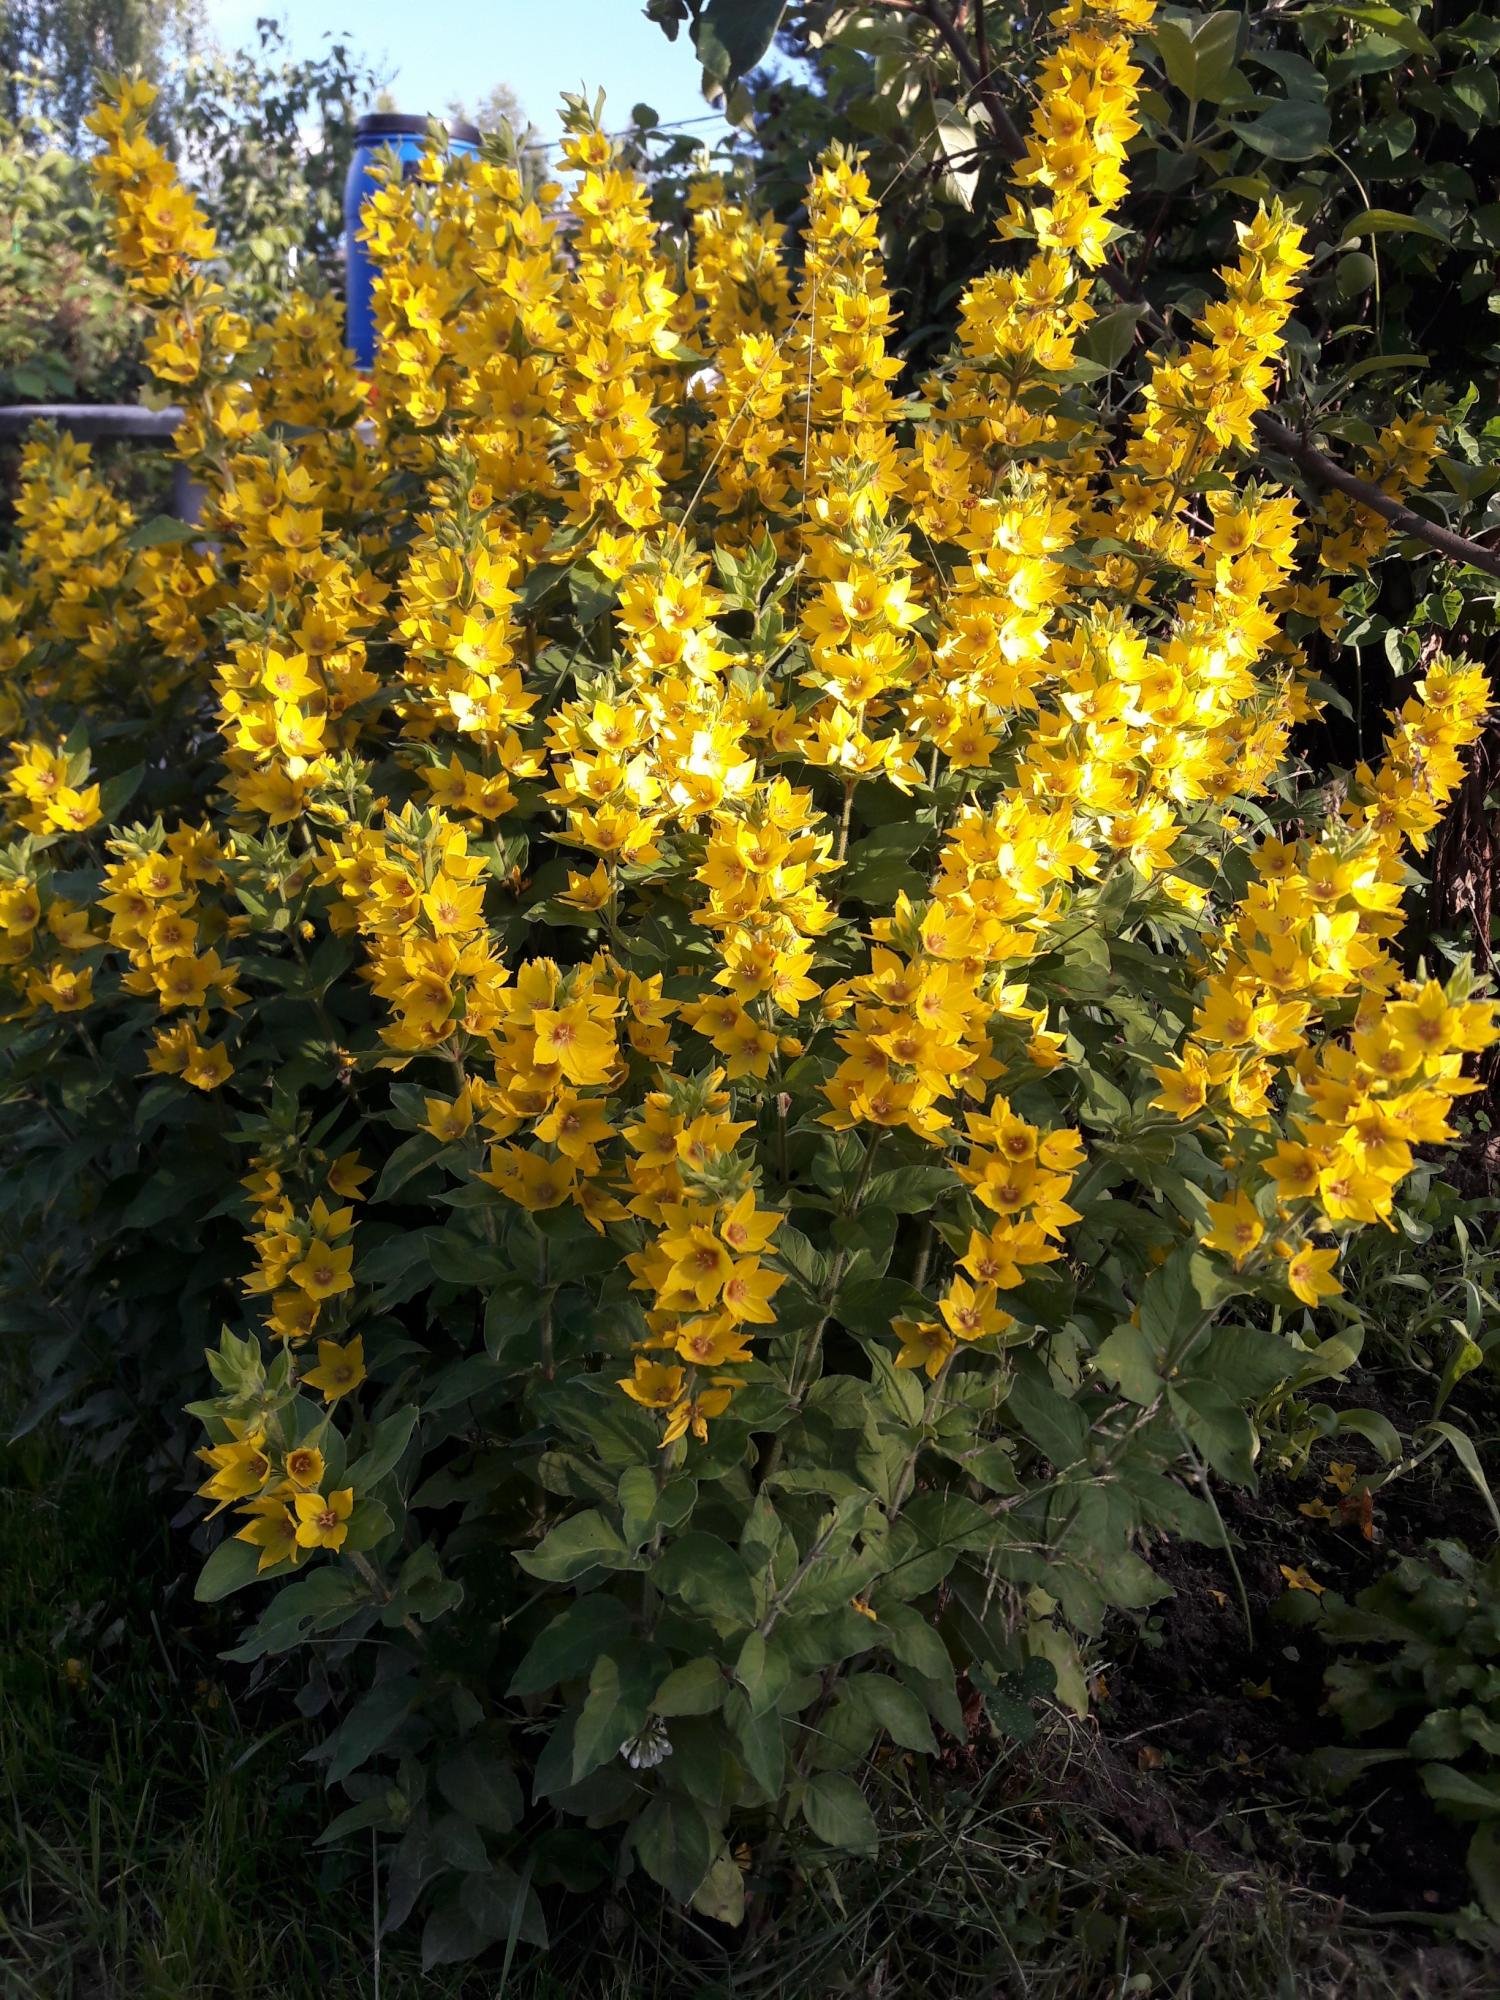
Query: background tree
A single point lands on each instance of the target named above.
(53, 52)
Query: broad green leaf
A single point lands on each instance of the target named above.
(732, 36)
(955, 148)
(384, 1449)
(710, 1577)
(1387, 222)
(617, 1707)
(493, 1908)
(763, 1671)
(232, 1565)
(583, 1542)
(1291, 129)
(1244, 1361)
(368, 1524)
(1128, 1359)
(162, 531)
(761, 1742)
(1198, 54)
(836, 1810)
(913, 1640)
(675, 1843)
(369, 1726)
(696, 1688)
(1462, 1793)
(568, 1647)
(1217, 1426)
(478, 1781)
(895, 1709)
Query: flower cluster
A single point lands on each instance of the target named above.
(727, 953)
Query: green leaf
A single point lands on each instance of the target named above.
(675, 1843)
(408, 1160)
(569, 1646)
(591, 593)
(479, 1782)
(697, 1688)
(763, 1671)
(1483, 1861)
(835, 1809)
(1245, 1361)
(913, 1641)
(1128, 1359)
(1462, 1793)
(708, 1576)
(1387, 222)
(1293, 128)
(1170, 1307)
(895, 1709)
(617, 1707)
(161, 531)
(232, 1565)
(385, 1448)
(955, 150)
(732, 36)
(583, 1542)
(761, 1741)
(368, 1524)
(369, 1726)
(1390, 21)
(1218, 1427)
(1111, 336)
(1053, 1422)
(483, 1910)
(912, 1190)
(1374, 1429)
(1198, 54)
(315, 1603)
(1468, 1458)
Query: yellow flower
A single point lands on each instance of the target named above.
(323, 1270)
(1309, 1272)
(304, 1466)
(339, 1369)
(1237, 1228)
(323, 1522)
(924, 1344)
(654, 1385)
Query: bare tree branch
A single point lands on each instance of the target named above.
(1324, 471)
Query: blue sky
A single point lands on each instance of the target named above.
(441, 50)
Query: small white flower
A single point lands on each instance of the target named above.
(652, 1747)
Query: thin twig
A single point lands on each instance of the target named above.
(1007, 133)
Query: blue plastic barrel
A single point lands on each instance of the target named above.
(374, 135)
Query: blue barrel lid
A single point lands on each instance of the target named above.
(402, 125)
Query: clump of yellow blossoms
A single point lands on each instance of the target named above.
(724, 917)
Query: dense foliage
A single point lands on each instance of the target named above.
(65, 319)
(726, 977)
(1429, 1674)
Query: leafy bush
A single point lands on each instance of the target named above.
(725, 978)
(65, 320)
(1439, 1687)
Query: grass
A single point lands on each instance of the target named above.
(157, 1839)
(155, 1842)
